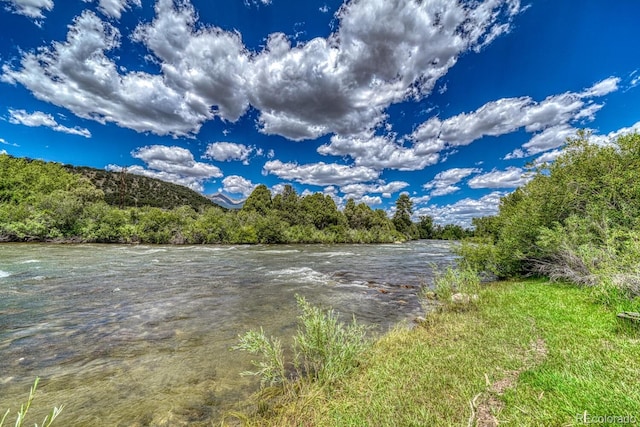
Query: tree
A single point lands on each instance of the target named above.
(287, 203)
(587, 201)
(318, 210)
(425, 227)
(270, 229)
(360, 216)
(259, 201)
(486, 226)
(402, 216)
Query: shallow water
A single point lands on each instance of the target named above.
(141, 335)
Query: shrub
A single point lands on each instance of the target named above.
(455, 288)
(324, 349)
(479, 254)
(575, 220)
(271, 370)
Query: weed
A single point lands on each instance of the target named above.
(24, 409)
(271, 370)
(455, 288)
(324, 351)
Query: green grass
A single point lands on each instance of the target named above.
(530, 354)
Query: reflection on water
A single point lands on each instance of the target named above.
(140, 335)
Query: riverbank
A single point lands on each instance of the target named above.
(531, 353)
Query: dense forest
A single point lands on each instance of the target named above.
(42, 201)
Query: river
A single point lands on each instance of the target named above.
(141, 335)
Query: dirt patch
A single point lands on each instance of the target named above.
(485, 406)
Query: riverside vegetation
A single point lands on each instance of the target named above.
(42, 201)
(527, 351)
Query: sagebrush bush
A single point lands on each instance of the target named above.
(271, 367)
(324, 349)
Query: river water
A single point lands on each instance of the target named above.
(141, 335)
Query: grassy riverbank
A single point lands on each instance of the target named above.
(530, 353)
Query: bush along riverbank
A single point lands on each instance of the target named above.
(49, 202)
(525, 353)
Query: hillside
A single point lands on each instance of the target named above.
(129, 190)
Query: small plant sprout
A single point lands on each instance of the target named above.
(24, 409)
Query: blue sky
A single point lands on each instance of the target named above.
(444, 100)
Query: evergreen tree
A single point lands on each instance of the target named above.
(402, 216)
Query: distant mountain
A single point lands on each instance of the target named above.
(226, 202)
(127, 189)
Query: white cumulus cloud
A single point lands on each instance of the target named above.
(228, 151)
(463, 211)
(549, 120)
(114, 8)
(322, 174)
(235, 184)
(205, 64)
(512, 177)
(357, 191)
(381, 152)
(38, 118)
(78, 75)
(172, 164)
(445, 182)
(382, 53)
(30, 8)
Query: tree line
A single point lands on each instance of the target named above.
(43, 201)
(577, 220)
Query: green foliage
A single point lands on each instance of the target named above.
(46, 201)
(24, 409)
(486, 226)
(320, 211)
(41, 200)
(287, 204)
(402, 216)
(210, 226)
(576, 220)
(479, 254)
(449, 232)
(270, 229)
(426, 227)
(124, 189)
(324, 349)
(463, 280)
(258, 201)
(271, 367)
